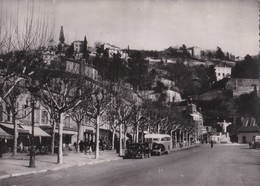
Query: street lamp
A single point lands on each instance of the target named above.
(32, 153)
(33, 91)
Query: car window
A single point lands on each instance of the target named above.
(155, 139)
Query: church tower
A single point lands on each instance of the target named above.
(61, 37)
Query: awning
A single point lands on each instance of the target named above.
(68, 132)
(37, 131)
(11, 126)
(5, 135)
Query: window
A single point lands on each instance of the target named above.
(166, 139)
(67, 121)
(44, 118)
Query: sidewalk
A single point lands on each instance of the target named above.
(18, 166)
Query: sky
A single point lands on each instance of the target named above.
(159, 24)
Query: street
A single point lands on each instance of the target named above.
(224, 165)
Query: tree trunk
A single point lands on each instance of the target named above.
(53, 137)
(97, 137)
(15, 135)
(124, 146)
(60, 153)
(113, 139)
(78, 137)
(137, 132)
(142, 137)
(120, 140)
(187, 139)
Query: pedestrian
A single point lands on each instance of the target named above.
(75, 145)
(81, 146)
(117, 145)
(92, 146)
(101, 146)
(211, 143)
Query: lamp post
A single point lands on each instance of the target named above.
(32, 152)
(32, 90)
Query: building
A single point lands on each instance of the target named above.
(248, 130)
(241, 86)
(197, 120)
(222, 72)
(195, 51)
(112, 50)
(77, 46)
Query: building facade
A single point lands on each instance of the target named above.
(222, 72)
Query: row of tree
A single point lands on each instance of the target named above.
(23, 71)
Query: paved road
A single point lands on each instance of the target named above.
(223, 165)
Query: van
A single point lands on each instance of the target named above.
(161, 143)
(255, 142)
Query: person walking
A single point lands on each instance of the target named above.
(81, 146)
(211, 143)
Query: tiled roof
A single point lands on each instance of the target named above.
(249, 129)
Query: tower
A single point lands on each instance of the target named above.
(85, 48)
(61, 37)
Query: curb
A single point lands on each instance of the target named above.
(57, 168)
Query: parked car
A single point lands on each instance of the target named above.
(161, 143)
(140, 150)
(255, 142)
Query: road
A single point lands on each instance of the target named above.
(224, 165)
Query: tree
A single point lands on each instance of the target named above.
(124, 108)
(138, 118)
(79, 113)
(219, 53)
(137, 70)
(248, 68)
(12, 109)
(85, 49)
(113, 123)
(61, 93)
(246, 105)
(22, 38)
(212, 78)
(99, 99)
(70, 51)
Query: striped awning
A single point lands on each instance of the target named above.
(11, 126)
(5, 135)
(37, 131)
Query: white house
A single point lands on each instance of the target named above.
(222, 72)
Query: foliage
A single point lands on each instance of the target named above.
(137, 70)
(246, 105)
(212, 78)
(248, 68)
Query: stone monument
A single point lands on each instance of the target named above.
(224, 138)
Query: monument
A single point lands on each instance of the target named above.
(225, 137)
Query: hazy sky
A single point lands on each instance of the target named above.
(158, 24)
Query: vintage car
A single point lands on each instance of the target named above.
(255, 142)
(161, 143)
(140, 150)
